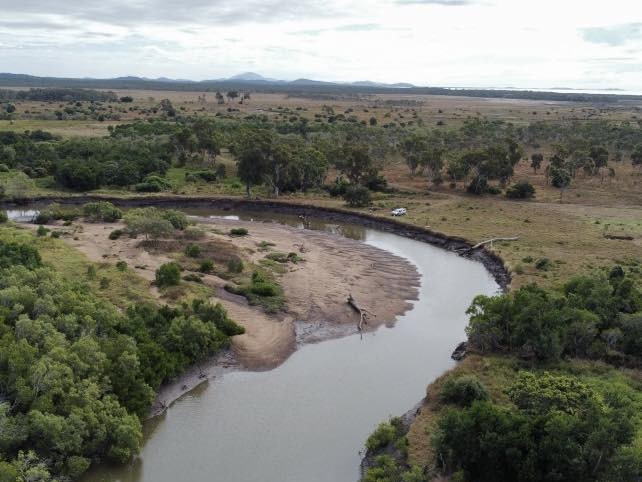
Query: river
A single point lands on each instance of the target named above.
(308, 419)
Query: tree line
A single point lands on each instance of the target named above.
(77, 376)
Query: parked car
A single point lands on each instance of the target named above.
(398, 212)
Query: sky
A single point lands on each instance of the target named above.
(584, 44)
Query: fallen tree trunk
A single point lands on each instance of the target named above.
(491, 241)
(362, 312)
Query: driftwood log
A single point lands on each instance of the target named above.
(363, 313)
(491, 241)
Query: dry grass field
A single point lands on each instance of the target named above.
(572, 233)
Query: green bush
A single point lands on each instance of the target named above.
(18, 254)
(121, 266)
(104, 283)
(235, 265)
(463, 390)
(206, 266)
(153, 184)
(553, 425)
(115, 234)
(193, 277)
(383, 435)
(193, 233)
(3, 216)
(520, 190)
(193, 251)
(543, 264)
(101, 211)
(168, 274)
(357, 196)
(204, 176)
(178, 219)
(41, 231)
(238, 232)
(264, 288)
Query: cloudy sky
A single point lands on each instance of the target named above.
(498, 43)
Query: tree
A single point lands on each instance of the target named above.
(600, 157)
(636, 156)
(167, 107)
(10, 108)
(520, 190)
(536, 161)
(355, 163)
(560, 178)
(148, 222)
(18, 186)
(220, 99)
(412, 148)
(168, 274)
(79, 175)
(232, 94)
(207, 140)
(432, 160)
(357, 196)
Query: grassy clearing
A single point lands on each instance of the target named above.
(122, 288)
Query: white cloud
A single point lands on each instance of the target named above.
(523, 43)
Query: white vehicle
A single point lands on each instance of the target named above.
(398, 212)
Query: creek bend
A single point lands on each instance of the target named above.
(308, 419)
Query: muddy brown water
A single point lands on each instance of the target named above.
(308, 419)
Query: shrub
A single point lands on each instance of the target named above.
(121, 266)
(101, 211)
(3, 216)
(13, 253)
(80, 175)
(104, 283)
(168, 274)
(43, 217)
(91, 272)
(338, 188)
(235, 264)
(193, 277)
(206, 176)
(42, 231)
(115, 234)
(206, 266)
(55, 234)
(193, 251)
(284, 258)
(264, 288)
(193, 233)
(463, 390)
(238, 232)
(357, 196)
(543, 264)
(520, 190)
(178, 219)
(384, 434)
(153, 184)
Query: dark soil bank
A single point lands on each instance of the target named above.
(491, 261)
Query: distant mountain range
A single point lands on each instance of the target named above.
(257, 82)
